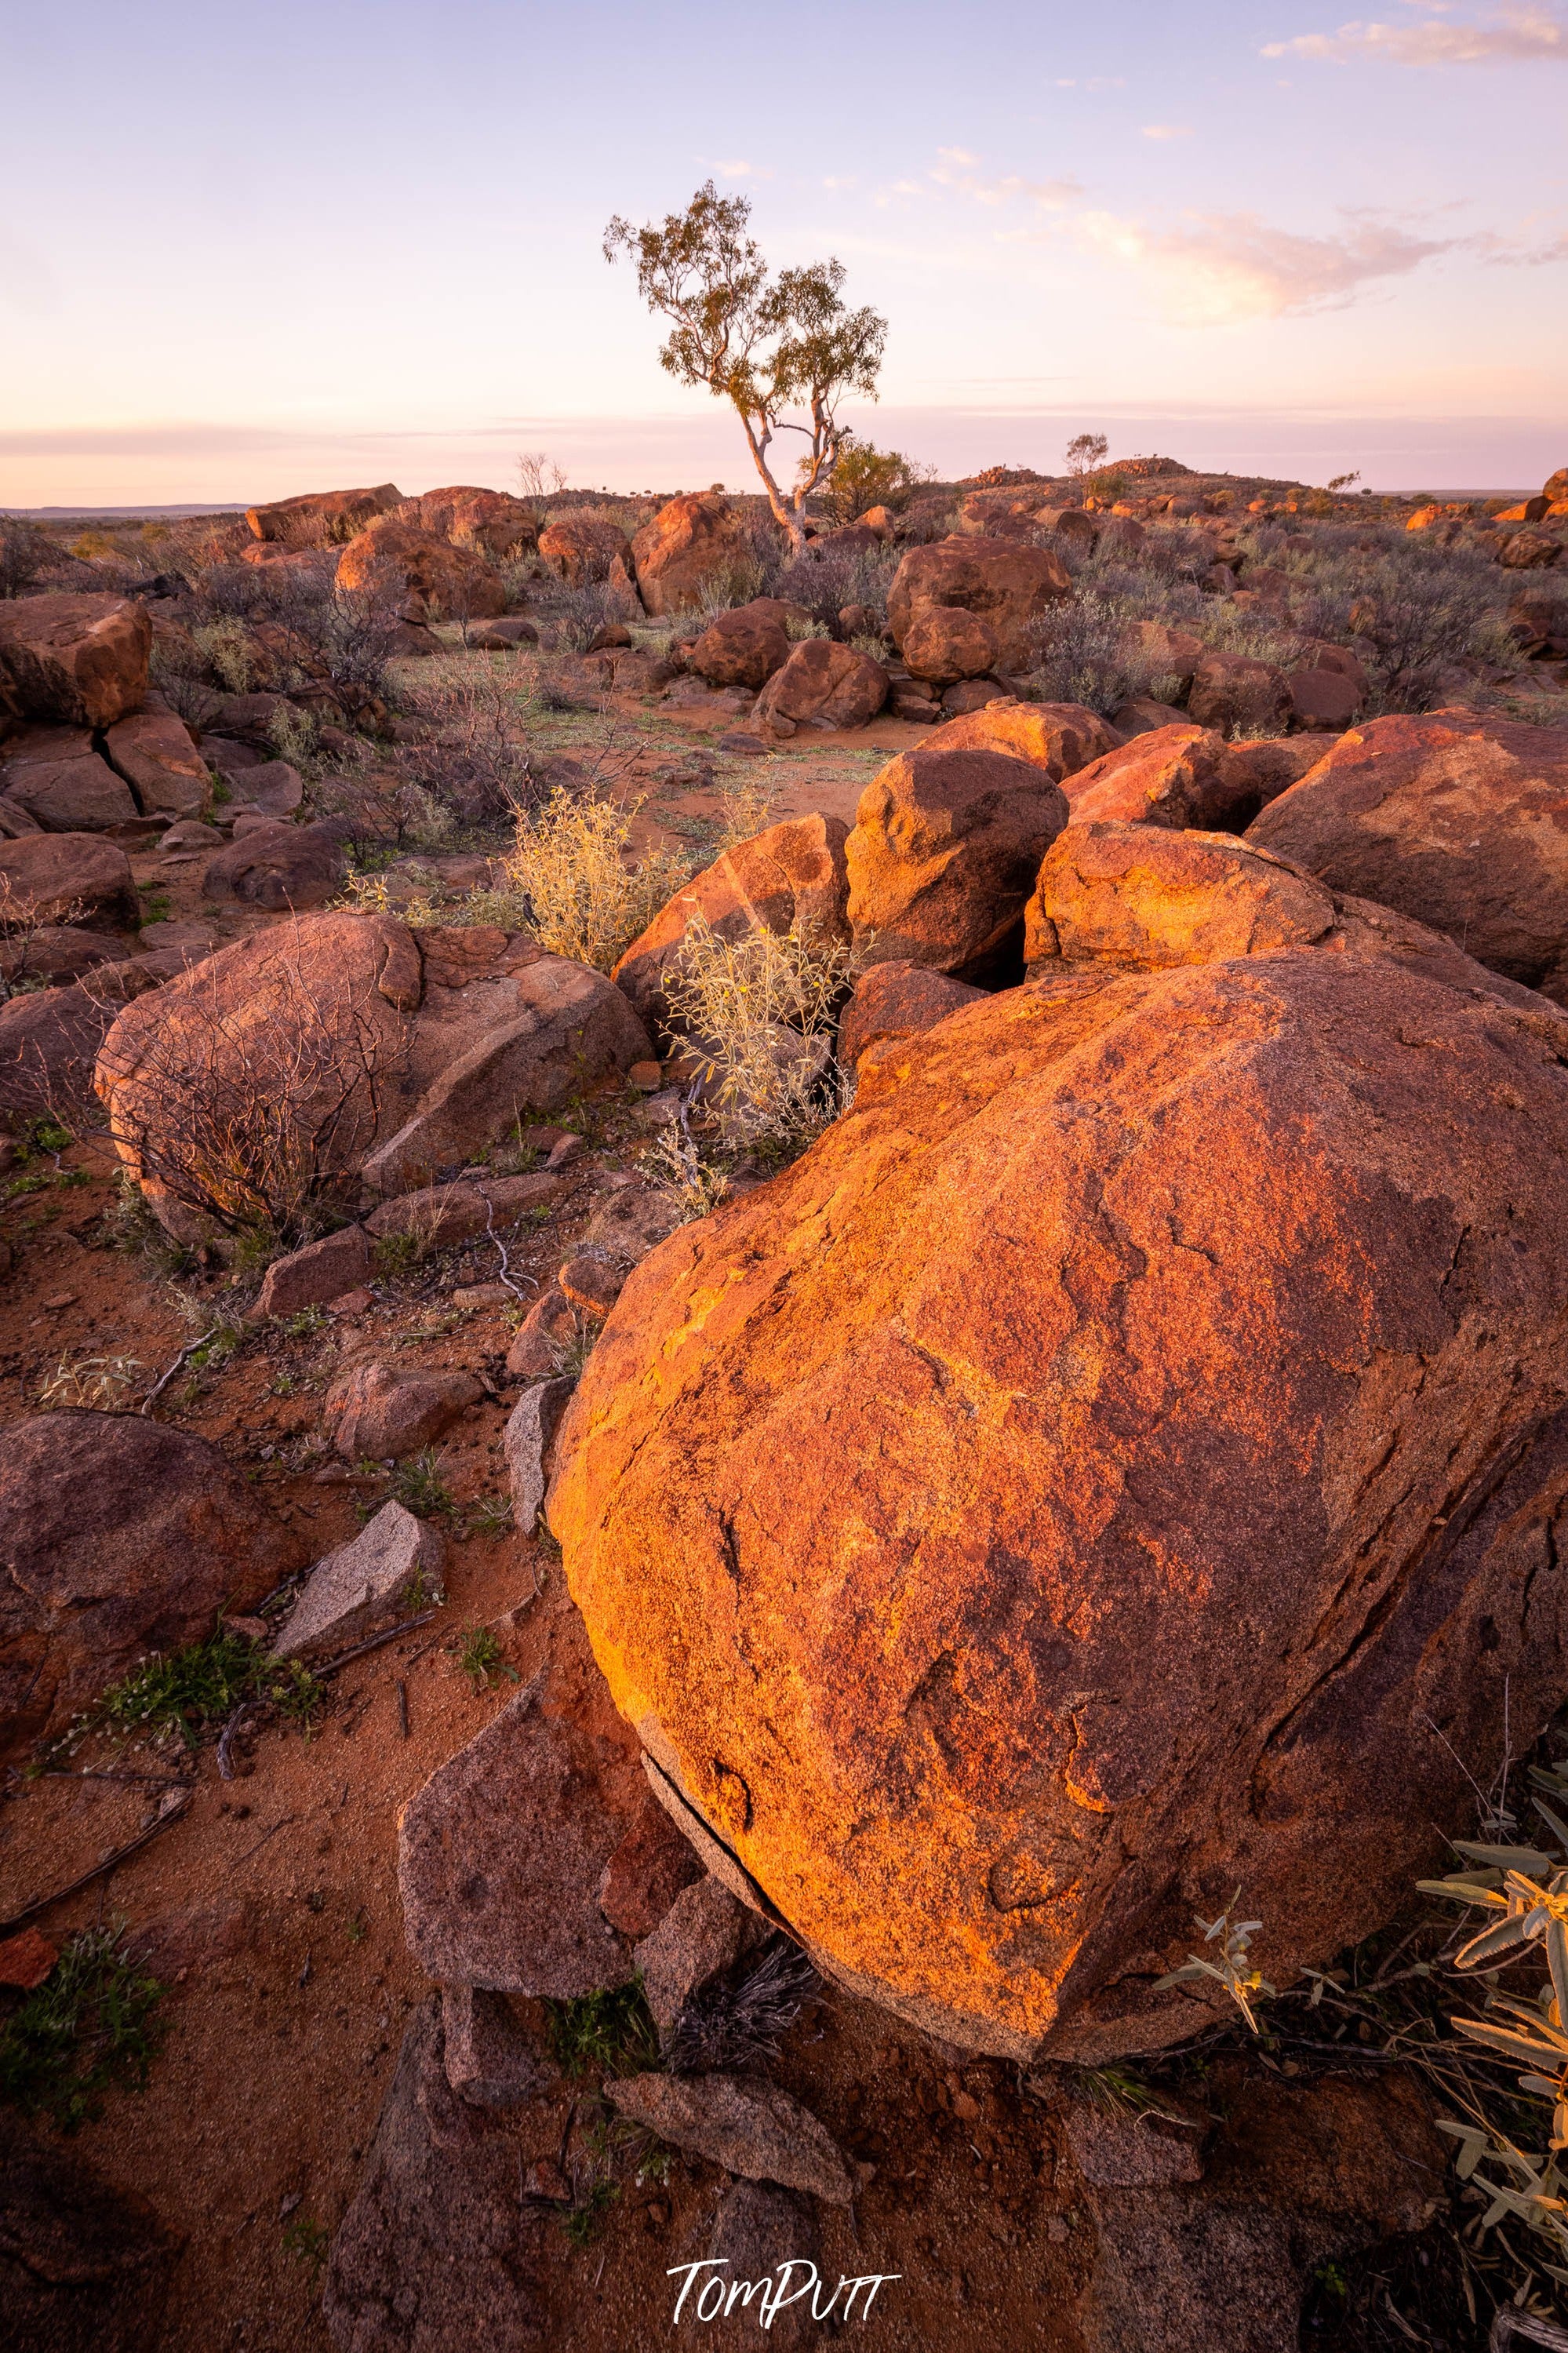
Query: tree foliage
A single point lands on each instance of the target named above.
(764, 343)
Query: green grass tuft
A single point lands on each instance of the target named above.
(92, 2024)
(192, 1688)
(610, 2032)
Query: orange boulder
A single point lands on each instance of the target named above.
(1006, 584)
(321, 518)
(430, 578)
(583, 545)
(81, 660)
(1080, 1486)
(1060, 737)
(790, 878)
(944, 854)
(1461, 822)
(693, 544)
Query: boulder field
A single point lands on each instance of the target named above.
(1126, 1458)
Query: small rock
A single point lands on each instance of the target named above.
(500, 1852)
(489, 2059)
(27, 1958)
(323, 1271)
(469, 1295)
(564, 1148)
(60, 1299)
(352, 1304)
(544, 2178)
(748, 2126)
(84, 2267)
(439, 1214)
(645, 1077)
(646, 1873)
(526, 1443)
(702, 1934)
(351, 1585)
(757, 2232)
(592, 1283)
(436, 2250)
(250, 1629)
(549, 1327)
(376, 1409)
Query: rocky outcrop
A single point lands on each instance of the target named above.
(894, 1001)
(502, 1853)
(943, 855)
(582, 546)
(1460, 821)
(285, 869)
(118, 1537)
(437, 2250)
(1181, 776)
(822, 685)
(793, 877)
(1007, 586)
(79, 795)
(66, 878)
(1060, 737)
(740, 647)
(157, 756)
(321, 518)
(692, 545)
(390, 1053)
(380, 1411)
(1139, 896)
(488, 521)
(428, 577)
(1122, 1433)
(80, 660)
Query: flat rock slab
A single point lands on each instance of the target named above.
(379, 1410)
(83, 2268)
(437, 2250)
(490, 2059)
(322, 1271)
(502, 1853)
(526, 1443)
(741, 2122)
(438, 1215)
(347, 1591)
(702, 1934)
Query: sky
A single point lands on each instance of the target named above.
(246, 251)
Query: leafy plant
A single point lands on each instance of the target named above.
(1233, 1970)
(190, 1691)
(306, 2239)
(100, 1382)
(91, 2024)
(764, 345)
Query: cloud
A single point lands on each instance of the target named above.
(737, 169)
(952, 172)
(1167, 131)
(1221, 268)
(1516, 34)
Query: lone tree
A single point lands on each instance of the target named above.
(765, 343)
(1085, 452)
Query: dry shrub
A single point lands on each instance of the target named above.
(250, 1117)
(570, 881)
(759, 1009)
(476, 762)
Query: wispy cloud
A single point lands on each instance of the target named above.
(957, 169)
(1222, 268)
(1167, 131)
(1522, 33)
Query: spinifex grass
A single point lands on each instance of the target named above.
(611, 2030)
(90, 2025)
(190, 1690)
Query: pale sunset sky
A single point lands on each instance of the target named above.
(247, 250)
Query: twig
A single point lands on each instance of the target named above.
(189, 1350)
(92, 1773)
(374, 1643)
(402, 1690)
(506, 1273)
(225, 1761)
(46, 1902)
(1508, 2322)
(261, 1842)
